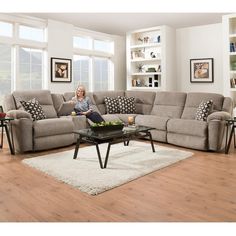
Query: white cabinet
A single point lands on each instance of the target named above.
(151, 59)
(229, 54)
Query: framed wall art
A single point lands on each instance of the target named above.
(201, 70)
(61, 70)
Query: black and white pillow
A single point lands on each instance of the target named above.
(34, 108)
(203, 110)
(112, 105)
(127, 105)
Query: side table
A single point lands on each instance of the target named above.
(230, 126)
(6, 123)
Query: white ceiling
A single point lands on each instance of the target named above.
(120, 23)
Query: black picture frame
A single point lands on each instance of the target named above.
(202, 70)
(61, 70)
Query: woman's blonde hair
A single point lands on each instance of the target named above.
(82, 88)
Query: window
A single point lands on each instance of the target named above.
(81, 71)
(104, 46)
(5, 70)
(101, 74)
(93, 67)
(31, 33)
(82, 42)
(30, 68)
(5, 29)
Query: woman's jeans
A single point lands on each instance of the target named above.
(95, 117)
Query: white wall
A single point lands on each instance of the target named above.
(60, 44)
(199, 42)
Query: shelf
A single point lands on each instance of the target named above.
(233, 89)
(232, 35)
(147, 73)
(145, 59)
(145, 45)
(146, 88)
(233, 71)
(232, 53)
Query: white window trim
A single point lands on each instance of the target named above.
(15, 42)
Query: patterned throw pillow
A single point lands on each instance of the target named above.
(127, 105)
(34, 108)
(112, 105)
(203, 110)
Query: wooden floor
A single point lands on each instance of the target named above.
(200, 188)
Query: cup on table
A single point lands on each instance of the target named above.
(73, 113)
(130, 120)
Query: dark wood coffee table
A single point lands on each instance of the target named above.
(111, 137)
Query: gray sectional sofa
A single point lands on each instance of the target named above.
(171, 113)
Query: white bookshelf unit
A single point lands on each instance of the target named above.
(148, 51)
(229, 54)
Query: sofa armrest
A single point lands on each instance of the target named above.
(18, 114)
(219, 115)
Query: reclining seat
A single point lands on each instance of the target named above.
(203, 135)
(43, 134)
(166, 106)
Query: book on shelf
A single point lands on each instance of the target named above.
(232, 47)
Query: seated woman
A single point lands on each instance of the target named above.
(83, 105)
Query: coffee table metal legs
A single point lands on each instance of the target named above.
(126, 143)
(77, 148)
(107, 155)
(150, 136)
(99, 156)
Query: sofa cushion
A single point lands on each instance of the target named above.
(80, 122)
(124, 117)
(34, 109)
(188, 127)
(66, 108)
(169, 104)
(57, 99)
(127, 105)
(157, 122)
(111, 117)
(194, 99)
(42, 96)
(143, 101)
(55, 126)
(69, 95)
(99, 98)
(203, 110)
(112, 105)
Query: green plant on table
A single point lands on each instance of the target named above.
(107, 123)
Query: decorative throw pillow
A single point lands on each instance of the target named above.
(203, 110)
(34, 108)
(127, 105)
(112, 105)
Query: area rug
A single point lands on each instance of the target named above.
(125, 163)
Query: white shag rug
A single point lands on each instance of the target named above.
(125, 163)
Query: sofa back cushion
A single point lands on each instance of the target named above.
(169, 104)
(42, 96)
(99, 98)
(69, 95)
(57, 99)
(143, 101)
(193, 101)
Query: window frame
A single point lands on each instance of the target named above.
(16, 42)
(95, 53)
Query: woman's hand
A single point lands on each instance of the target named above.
(72, 102)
